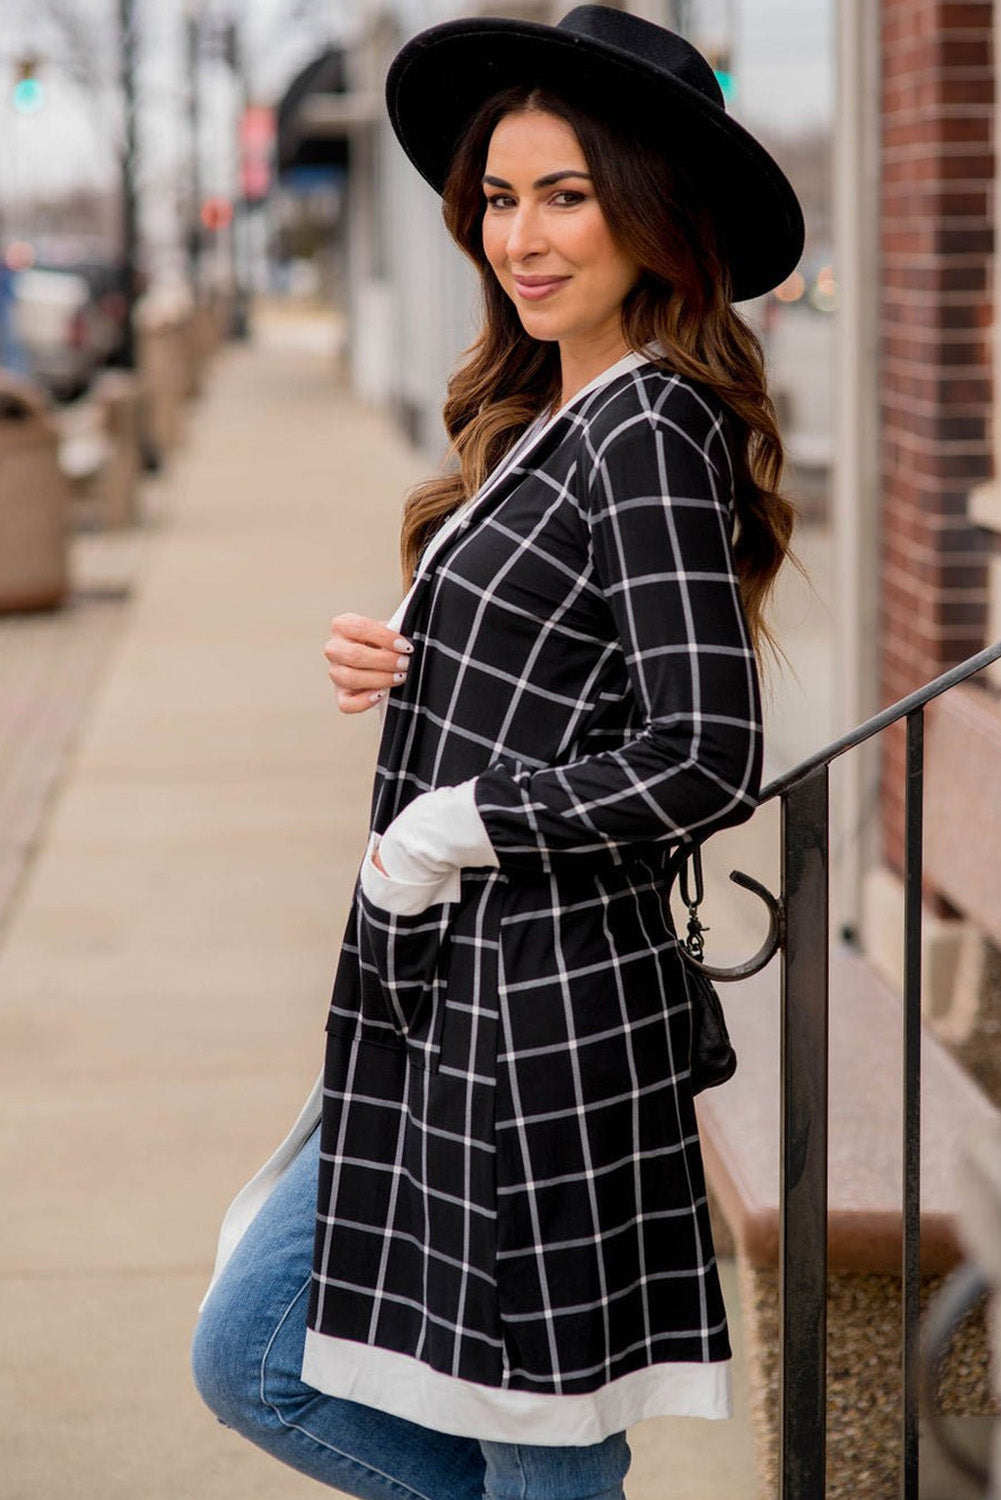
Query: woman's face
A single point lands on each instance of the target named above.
(546, 237)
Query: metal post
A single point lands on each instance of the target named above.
(855, 483)
(191, 26)
(803, 1197)
(236, 56)
(130, 204)
(911, 1263)
(680, 16)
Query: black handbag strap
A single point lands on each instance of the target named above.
(686, 867)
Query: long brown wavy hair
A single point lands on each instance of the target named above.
(682, 298)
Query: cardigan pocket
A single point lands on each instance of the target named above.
(390, 981)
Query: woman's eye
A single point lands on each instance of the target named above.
(565, 198)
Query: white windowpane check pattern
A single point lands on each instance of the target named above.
(512, 1206)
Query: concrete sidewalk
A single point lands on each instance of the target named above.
(165, 975)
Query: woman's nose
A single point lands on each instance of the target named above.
(525, 233)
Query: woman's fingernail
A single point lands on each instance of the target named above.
(403, 663)
(399, 676)
(402, 645)
(376, 696)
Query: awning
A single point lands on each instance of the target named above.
(318, 114)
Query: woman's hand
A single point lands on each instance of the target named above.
(366, 659)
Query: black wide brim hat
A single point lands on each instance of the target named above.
(439, 79)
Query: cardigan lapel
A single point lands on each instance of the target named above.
(499, 482)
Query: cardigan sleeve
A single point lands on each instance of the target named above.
(657, 498)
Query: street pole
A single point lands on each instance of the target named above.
(681, 16)
(240, 228)
(855, 477)
(191, 22)
(129, 163)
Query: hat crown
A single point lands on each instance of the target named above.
(646, 41)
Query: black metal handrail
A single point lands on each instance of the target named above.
(801, 934)
(886, 716)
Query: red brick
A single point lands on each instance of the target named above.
(965, 239)
(972, 88)
(962, 202)
(962, 13)
(963, 314)
(964, 575)
(955, 613)
(959, 50)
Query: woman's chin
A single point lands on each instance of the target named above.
(539, 326)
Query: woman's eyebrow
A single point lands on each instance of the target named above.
(547, 181)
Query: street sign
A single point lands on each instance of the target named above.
(257, 140)
(216, 214)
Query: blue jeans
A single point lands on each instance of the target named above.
(246, 1359)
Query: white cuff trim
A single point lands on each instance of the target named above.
(425, 848)
(437, 831)
(405, 898)
(464, 835)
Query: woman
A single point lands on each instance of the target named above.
(512, 1259)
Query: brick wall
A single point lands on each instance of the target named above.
(936, 237)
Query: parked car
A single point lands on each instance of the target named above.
(69, 320)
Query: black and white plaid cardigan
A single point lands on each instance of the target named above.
(512, 1233)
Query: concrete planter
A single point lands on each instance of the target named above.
(34, 501)
(166, 365)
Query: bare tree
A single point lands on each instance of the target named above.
(85, 49)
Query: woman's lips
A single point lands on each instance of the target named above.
(540, 287)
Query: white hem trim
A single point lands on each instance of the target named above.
(406, 1387)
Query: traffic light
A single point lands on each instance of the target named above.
(28, 95)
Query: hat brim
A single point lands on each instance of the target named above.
(440, 77)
